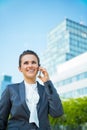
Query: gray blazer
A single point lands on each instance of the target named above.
(13, 102)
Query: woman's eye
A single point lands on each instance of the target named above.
(33, 62)
(26, 62)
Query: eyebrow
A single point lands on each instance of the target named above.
(33, 61)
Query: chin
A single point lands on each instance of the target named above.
(31, 76)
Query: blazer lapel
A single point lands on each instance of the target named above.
(22, 96)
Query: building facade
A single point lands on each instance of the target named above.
(5, 81)
(71, 77)
(66, 41)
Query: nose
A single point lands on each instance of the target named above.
(30, 65)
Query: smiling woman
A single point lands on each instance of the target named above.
(29, 103)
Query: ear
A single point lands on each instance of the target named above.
(20, 69)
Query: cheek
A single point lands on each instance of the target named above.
(37, 68)
(19, 68)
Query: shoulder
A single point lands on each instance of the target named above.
(13, 86)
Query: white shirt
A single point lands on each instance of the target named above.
(32, 98)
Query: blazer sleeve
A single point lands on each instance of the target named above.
(5, 106)
(55, 104)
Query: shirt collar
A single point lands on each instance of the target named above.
(33, 86)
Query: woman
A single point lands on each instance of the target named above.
(28, 104)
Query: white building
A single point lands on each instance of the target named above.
(71, 77)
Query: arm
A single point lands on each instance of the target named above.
(55, 105)
(5, 106)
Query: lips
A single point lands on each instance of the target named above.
(31, 71)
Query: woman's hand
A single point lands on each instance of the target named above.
(44, 76)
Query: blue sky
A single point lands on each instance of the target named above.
(24, 24)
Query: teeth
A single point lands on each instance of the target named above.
(31, 70)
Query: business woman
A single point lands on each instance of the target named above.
(28, 104)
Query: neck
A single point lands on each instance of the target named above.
(30, 81)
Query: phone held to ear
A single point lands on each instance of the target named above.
(39, 73)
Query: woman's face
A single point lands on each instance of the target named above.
(29, 66)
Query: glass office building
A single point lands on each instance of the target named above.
(5, 81)
(66, 41)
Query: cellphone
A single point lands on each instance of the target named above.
(39, 74)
